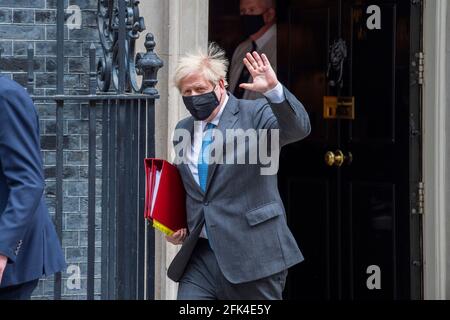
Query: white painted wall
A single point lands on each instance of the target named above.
(447, 89)
(179, 26)
(436, 218)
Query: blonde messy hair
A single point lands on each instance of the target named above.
(213, 64)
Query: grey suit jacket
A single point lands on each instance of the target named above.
(242, 209)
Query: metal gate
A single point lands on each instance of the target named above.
(127, 133)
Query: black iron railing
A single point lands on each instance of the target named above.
(127, 137)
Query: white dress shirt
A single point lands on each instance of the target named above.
(266, 37)
(276, 95)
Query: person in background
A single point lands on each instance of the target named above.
(258, 18)
(29, 246)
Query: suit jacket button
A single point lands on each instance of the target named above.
(206, 203)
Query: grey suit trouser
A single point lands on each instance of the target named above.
(203, 280)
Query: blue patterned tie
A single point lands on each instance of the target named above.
(204, 156)
(203, 161)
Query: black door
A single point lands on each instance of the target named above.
(353, 220)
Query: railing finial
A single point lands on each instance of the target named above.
(148, 65)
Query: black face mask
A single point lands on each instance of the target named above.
(252, 24)
(201, 106)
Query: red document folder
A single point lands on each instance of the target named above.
(165, 197)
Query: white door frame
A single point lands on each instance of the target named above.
(434, 149)
(179, 26)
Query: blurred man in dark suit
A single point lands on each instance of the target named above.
(258, 18)
(29, 246)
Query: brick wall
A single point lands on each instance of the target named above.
(24, 22)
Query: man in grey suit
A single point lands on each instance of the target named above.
(258, 19)
(238, 244)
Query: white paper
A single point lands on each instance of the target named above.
(155, 190)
